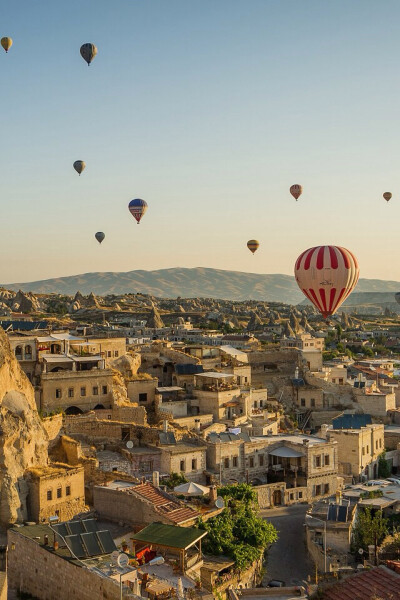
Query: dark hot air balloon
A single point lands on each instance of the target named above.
(296, 190)
(326, 275)
(79, 165)
(88, 52)
(137, 208)
(99, 236)
(387, 196)
(253, 245)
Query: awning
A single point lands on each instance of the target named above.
(191, 489)
(285, 452)
(55, 358)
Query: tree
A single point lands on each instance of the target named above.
(237, 531)
(384, 469)
(175, 479)
(370, 529)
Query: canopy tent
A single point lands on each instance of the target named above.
(191, 489)
(285, 452)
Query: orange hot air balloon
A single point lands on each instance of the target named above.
(253, 245)
(296, 190)
(387, 196)
(6, 42)
(326, 275)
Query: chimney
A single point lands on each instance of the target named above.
(324, 430)
(339, 497)
(213, 493)
(156, 478)
(165, 426)
(197, 425)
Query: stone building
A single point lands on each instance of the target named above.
(139, 504)
(358, 450)
(55, 490)
(303, 463)
(187, 459)
(38, 570)
(75, 391)
(142, 389)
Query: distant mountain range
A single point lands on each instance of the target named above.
(200, 282)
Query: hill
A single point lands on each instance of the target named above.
(190, 283)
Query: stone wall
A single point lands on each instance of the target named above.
(53, 426)
(34, 570)
(124, 414)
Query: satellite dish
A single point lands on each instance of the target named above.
(123, 560)
(360, 551)
(129, 444)
(114, 557)
(219, 503)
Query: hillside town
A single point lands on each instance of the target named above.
(196, 448)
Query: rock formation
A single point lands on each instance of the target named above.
(154, 321)
(23, 441)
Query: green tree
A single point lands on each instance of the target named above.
(370, 529)
(238, 531)
(384, 469)
(175, 479)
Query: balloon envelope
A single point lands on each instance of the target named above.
(6, 42)
(326, 275)
(387, 196)
(137, 208)
(296, 190)
(99, 236)
(79, 165)
(88, 52)
(253, 245)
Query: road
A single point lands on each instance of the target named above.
(288, 558)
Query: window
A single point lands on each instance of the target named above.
(95, 390)
(260, 460)
(376, 445)
(317, 461)
(28, 352)
(194, 464)
(363, 450)
(49, 495)
(317, 490)
(302, 401)
(380, 443)
(70, 392)
(226, 463)
(367, 449)
(326, 488)
(251, 462)
(300, 495)
(83, 391)
(182, 465)
(68, 490)
(143, 397)
(104, 390)
(18, 352)
(58, 393)
(58, 492)
(235, 461)
(109, 354)
(326, 459)
(313, 402)
(116, 353)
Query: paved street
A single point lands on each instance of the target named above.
(288, 558)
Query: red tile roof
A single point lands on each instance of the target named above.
(164, 504)
(379, 583)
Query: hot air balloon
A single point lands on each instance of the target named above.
(296, 190)
(6, 42)
(99, 236)
(253, 245)
(88, 52)
(397, 297)
(326, 275)
(79, 165)
(137, 208)
(387, 196)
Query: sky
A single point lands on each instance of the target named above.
(209, 110)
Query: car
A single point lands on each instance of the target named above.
(375, 482)
(393, 480)
(276, 583)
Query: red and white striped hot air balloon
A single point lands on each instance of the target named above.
(326, 275)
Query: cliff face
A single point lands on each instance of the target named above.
(23, 441)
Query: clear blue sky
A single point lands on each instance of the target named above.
(209, 110)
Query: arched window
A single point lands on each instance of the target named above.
(18, 352)
(28, 352)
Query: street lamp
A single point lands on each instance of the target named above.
(324, 524)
